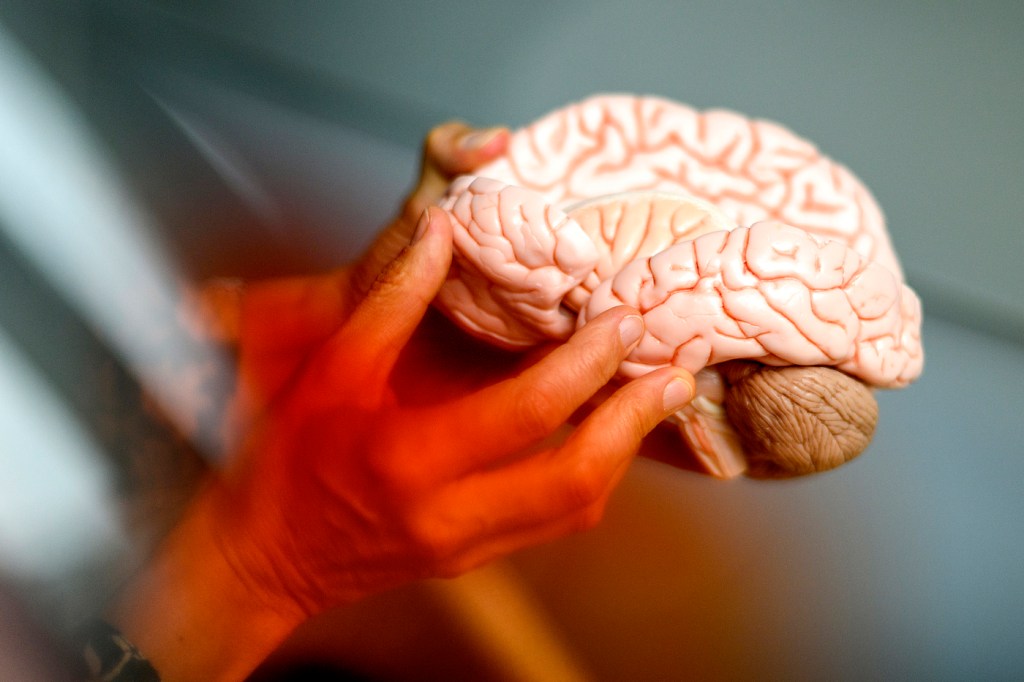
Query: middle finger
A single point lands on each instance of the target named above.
(501, 420)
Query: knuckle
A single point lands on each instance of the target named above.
(432, 541)
(438, 133)
(399, 478)
(453, 567)
(633, 419)
(598, 349)
(390, 277)
(590, 518)
(433, 143)
(538, 411)
(442, 135)
(585, 485)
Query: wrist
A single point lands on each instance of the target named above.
(192, 612)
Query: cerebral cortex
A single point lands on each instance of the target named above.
(735, 238)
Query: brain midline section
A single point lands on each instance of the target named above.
(567, 198)
(709, 268)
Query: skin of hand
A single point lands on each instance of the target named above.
(373, 444)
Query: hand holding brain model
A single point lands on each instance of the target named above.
(757, 263)
(371, 448)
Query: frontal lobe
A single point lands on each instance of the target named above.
(515, 259)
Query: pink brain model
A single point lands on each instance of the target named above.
(736, 240)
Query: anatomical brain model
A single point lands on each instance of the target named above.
(758, 264)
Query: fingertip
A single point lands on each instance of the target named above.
(434, 221)
(441, 136)
(419, 269)
(395, 303)
(635, 409)
(631, 329)
(486, 142)
(678, 391)
(628, 321)
(605, 317)
(461, 149)
(422, 226)
(449, 150)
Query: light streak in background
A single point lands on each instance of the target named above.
(53, 481)
(231, 167)
(63, 208)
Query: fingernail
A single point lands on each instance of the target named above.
(421, 227)
(630, 329)
(677, 394)
(479, 139)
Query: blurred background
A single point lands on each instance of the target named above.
(144, 141)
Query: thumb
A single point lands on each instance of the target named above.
(382, 324)
(450, 150)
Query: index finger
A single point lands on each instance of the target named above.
(520, 412)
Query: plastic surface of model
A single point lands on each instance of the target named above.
(739, 243)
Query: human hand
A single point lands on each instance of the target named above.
(373, 449)
(374, 444)
(387, 456)
(272, 325)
